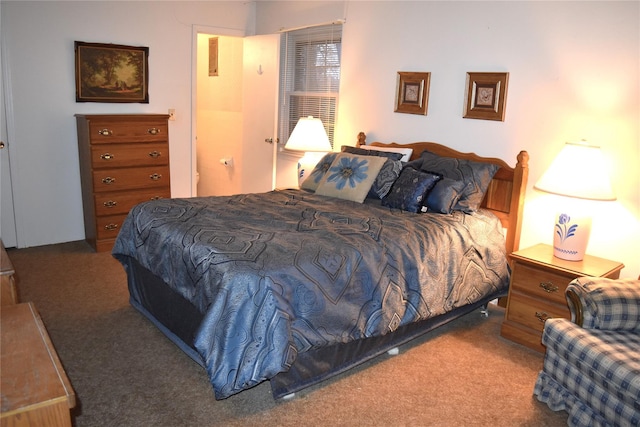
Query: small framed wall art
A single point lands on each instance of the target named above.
(412, 92)
(111, 73)
(213, 56)
(486, 96)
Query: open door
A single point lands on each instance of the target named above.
(7, 216)
(260, 106)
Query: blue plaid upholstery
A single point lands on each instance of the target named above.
(594, 374)
(609, 304)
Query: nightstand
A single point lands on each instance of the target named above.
(536, 292)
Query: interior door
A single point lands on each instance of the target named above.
(7, 216)
(259, 110)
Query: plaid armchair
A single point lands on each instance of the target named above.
(592, 363)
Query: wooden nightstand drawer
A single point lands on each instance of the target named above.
(532, 313)
(537, 291)
(541, 283)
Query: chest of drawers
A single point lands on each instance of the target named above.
(124, 160)
(537, 290)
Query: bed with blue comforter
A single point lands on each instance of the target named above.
(293, 286)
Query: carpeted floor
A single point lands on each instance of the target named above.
(126, 373)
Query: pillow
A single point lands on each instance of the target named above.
(444, 195)
(476, 175)
(386, 177)
(312, 181)
(350, 176)
(406, 152)
(365, 152)
(410, 189)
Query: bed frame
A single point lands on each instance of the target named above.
(504, 197)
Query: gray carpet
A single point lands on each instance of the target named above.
(126, 373)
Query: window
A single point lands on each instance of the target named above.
(310, 77)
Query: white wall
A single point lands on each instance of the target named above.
(574, 73)
(39, 40)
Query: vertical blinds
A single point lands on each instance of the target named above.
(310, 77)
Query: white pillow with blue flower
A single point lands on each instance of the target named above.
(350, 176)
(312, 181)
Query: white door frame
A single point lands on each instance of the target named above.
(195, 30)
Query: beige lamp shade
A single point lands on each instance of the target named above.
(578, 171)
(308, 135)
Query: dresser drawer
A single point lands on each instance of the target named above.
(117, 155)
(532, 312)
(108, 227)
(130, 178)
(122, 202)
(108, 132)
(541, 283)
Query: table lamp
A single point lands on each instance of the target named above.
(308, 136)
(576, 172)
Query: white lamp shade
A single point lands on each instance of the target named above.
(578, 171)
(308, 135)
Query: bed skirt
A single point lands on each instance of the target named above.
(159, 303)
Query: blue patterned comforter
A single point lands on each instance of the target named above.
(279, 273)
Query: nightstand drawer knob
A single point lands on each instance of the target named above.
(110, 227)
(155, 154)
(106, 156)
(155, 176)
(110, 204)
(548, 287)
(542, 316)
(153, 131)
(105, 132)
(108, 180)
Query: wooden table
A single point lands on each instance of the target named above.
(34, 388)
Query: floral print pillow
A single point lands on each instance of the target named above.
(350, 176)
(312, 181)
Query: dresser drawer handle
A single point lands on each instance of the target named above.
(155, 198)
(153, 131)
(542, 316)
(110, 204)
(111, 226)
(108, 180)
(107, 156)
(548, 287)
(155, 176)
(155, 154)
(105, 132)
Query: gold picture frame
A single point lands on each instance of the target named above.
(486, 96)
(111, 73)
(412, 92)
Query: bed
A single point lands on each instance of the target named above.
(295, 286)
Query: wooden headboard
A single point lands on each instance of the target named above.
(505, 195)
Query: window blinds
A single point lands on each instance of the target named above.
(310, 77)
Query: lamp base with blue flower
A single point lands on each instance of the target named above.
(571, 236)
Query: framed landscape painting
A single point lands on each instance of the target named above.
(111, 73)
